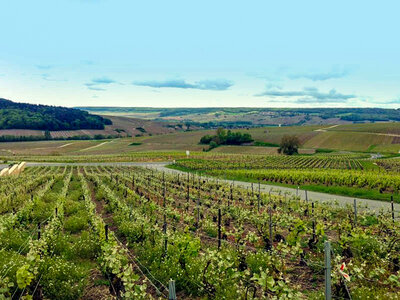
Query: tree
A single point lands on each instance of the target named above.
(289, 145)
(206, 139)
(223, 137)
(47, 135)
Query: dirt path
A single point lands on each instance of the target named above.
(95, 146)
(325, 129)
(108, 219)
(65, 145)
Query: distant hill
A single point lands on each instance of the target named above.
(27, 122)
(211, 117)
(15, 115)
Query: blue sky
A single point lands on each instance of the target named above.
(201, 53)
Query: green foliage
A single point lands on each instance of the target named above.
(141, 129)
(223, 137)
(290, 266)
(14, 239)
(29, 116)
(289, 145)
(264, 144)
(62, 279)
(76, 223)
(72, 247)
(320, 150)
(24, 276)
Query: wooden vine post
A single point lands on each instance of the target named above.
(230, 199)
(188, 192)
(259, 195)
(198, 213)
(270, 223)
(392, 205)
(219, 228)
(165, 218)
(355, 211)
(328, 289)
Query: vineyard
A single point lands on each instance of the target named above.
(363, 177)
(349, 162)
(133, 233)
(124, 157)
(389, 164)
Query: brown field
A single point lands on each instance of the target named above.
(21, 132)
(45, 147)
(181, 141)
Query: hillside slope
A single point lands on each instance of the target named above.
(211, 117)
(15, 115)
(119, 127)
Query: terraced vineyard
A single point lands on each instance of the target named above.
(125, 232)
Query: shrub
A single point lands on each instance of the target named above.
(289, 145)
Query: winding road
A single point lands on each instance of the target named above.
(363, 204)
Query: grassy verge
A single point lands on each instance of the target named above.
(335, 190)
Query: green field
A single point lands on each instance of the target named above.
(113, 232)
(177, 236)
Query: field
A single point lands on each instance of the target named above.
(239, 116)
(88, 232)
(124, 232)
(252, 116)
(367, 139)
(385, 128)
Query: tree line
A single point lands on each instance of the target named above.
(43, 117)
(223, 137)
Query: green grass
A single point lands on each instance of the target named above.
(321, 150)
(385, 127)
(335, 190)
(265, 144)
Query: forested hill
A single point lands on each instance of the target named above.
(15, 115)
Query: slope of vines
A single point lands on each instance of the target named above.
(124, 232)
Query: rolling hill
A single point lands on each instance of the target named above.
(29, 122)
(15, 115)
(235, 117)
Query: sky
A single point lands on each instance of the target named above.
(201, 53)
